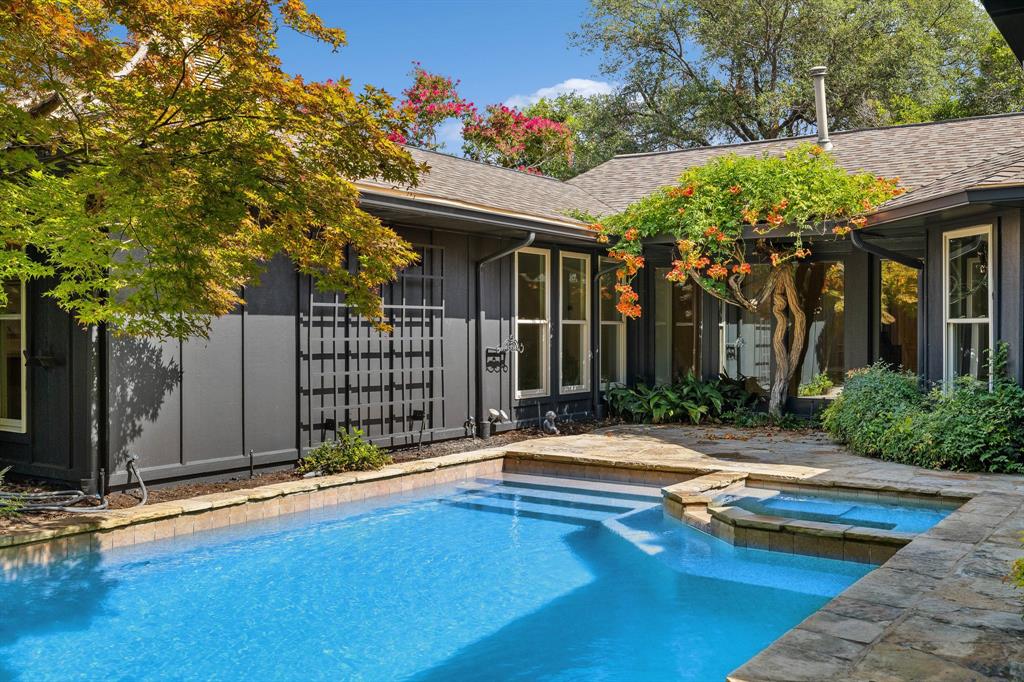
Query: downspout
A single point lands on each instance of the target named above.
(595, 342)
(884, 253)
(479, 427)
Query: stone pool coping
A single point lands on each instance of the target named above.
(939, 608)
(696, 503)
(59, 538)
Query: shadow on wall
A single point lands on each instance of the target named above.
(144, 378)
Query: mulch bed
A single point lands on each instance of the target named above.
(179, 491)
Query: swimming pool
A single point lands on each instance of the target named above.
(511, 577)
(903, 515)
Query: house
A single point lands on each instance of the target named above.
(509, 312)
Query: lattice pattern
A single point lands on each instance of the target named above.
(358, 377)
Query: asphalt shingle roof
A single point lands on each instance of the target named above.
(504, 189)
(931, 159)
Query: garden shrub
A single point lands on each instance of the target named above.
(689, 399)
(819, 385)
(8, 506)
(968, 426)
(1017, 570)
(873, 399)
(348, 453)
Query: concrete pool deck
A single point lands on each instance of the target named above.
(938, 609)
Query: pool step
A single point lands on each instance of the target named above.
(570, 500)
(576, 516)
(619, 491)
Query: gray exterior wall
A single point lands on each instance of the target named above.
(62, 366)
(293, 367)
(1008, 316)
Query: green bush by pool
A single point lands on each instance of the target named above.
(968, 426)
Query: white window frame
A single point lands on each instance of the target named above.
(545, 323)
(19, 425)
(620, 332)
(584, 323)
(947, 323)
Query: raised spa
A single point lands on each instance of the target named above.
(901, 514)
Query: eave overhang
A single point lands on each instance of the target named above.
(411, 208)
(1008, 16)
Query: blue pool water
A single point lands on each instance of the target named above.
(510, 578)
(903, 516)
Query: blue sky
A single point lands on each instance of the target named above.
(501, 50)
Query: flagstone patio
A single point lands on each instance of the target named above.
(940, 609)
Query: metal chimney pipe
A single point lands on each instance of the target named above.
(820, 107)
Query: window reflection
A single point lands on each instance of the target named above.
(898, 332)
(821, 369)
(745, 338)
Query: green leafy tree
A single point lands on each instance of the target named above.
(601, 127)
(706, 71)
(155, 155)
(713, 212)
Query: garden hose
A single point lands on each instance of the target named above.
(65, 500)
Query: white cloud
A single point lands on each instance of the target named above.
(581, 86)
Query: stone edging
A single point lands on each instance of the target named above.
(61, 538)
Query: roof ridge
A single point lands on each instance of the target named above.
(776, 140)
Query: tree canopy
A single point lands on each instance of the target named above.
(502, 135)
(155, 154)
(717, 211)
(698, 72)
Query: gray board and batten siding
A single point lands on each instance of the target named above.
(287, 370)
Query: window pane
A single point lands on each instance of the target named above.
(685, 328)
(662, 327)
(820, 287)
(611, 353)
(746, 338)
(898, 341)
(574, 289)
(13, 291)
(532, 287)
(607, 295)
(10, 381)
(968, 276)
(530, 363)
(968, 344)
(573, 349)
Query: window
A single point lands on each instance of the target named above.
(898, 338)
(967, 259)
(745, 337)
(676, 328)
(574, 287)
(532, 322)
(613, 331)
(12, 350)
(821, 369)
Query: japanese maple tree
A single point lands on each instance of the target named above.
(155, 154)
(739, 209)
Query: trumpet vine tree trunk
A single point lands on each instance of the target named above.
(790, 334)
